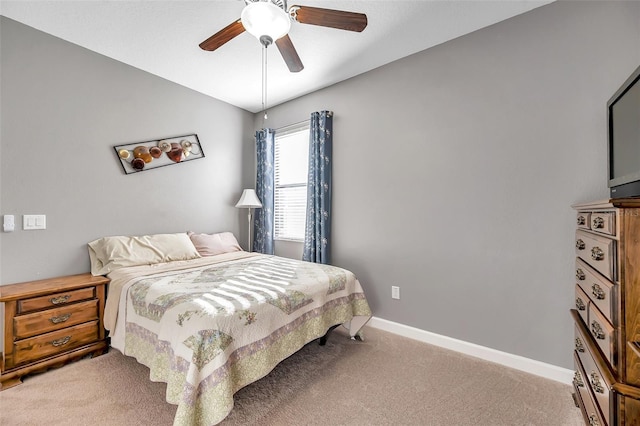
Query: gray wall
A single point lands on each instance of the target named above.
(455, 168)
(63, 110)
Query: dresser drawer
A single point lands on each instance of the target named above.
(603, 222)
(583, 220)
(589, 407)
(582, 304)
(600, 388)
(580, 345)
(603, 333)
(582, 342)
(54, 319)
(597, 251)
(600, 291)
(55, 299)
(44, 345)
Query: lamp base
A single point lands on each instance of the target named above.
(249, 248)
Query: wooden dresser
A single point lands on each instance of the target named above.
(607, 312)
(50, 322)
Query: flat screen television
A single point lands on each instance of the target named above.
(623, 111)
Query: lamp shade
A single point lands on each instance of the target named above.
(249, 200)
(264, 18)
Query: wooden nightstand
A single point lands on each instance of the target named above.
(50, 322)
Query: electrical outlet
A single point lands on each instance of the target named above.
(395, 292)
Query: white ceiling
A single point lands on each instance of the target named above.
(162, 37)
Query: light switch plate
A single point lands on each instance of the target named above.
(34, 221)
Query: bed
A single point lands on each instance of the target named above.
(208, 318)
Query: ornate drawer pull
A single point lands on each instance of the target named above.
(61, 318)
(60, 299)
(580, 304)
(581, 220)
(596, 329)
(580, 276)
(597, 292)
(597, 222)
(597, 253)
(595, 382)
(593, 420)
(577, 380)
(61, 342)
(580, 244)
(579, 346)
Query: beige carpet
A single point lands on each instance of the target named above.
(386, 380)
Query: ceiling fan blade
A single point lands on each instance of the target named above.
(289, 54)
(339, 19)
(224, 35)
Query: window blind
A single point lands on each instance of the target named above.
(291, 170)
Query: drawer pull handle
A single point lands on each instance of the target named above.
(60, 299)
(595, 382)
(597, 253)
(580, 244)
(597, 222)
(597, 291)
(593, 420)
(580, 304)
(579, 346)
(581, 220)
(580, 276)
(577, 380)
(61, 342)
(61, 318)
(596, 329)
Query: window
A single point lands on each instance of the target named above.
(291, 169)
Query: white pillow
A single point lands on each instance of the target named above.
(110, 253)
(212, 244)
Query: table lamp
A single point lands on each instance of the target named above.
(249, 200)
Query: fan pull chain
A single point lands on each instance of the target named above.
(264, 80)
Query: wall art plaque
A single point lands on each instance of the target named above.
(141, 156)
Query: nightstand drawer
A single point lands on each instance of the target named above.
(54, 319)
(597, 251)
(56, 299)
(50, 322)
(55, 342)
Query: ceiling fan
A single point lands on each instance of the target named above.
(270, 20)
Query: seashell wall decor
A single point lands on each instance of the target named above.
(141, 156)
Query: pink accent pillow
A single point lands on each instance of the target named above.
(212, 244)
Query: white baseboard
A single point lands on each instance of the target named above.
(509, 360)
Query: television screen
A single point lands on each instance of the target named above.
(624, 139)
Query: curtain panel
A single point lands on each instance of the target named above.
(263, 229)
(317, 239)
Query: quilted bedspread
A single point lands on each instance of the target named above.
(211, 326)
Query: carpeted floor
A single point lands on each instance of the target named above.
(385, 380)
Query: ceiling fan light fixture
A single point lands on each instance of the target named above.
(265, 21)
